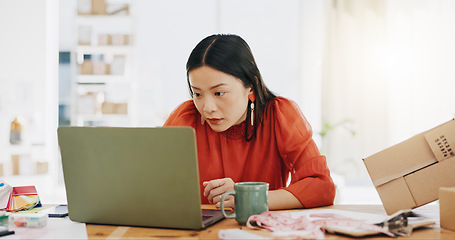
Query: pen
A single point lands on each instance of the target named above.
(6, 232)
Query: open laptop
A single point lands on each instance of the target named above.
(133, 176)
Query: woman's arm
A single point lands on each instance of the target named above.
(282, 199)
(310, 182)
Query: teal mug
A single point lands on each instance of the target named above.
(251, 198)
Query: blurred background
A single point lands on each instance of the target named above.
(367, 74)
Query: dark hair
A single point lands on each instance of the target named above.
(231, 54)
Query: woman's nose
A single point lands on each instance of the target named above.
(209, 105)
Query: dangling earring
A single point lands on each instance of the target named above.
(252, 98)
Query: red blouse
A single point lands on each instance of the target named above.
(283, 145)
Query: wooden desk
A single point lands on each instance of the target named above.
(116, 232)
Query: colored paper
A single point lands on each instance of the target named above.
(14, 199)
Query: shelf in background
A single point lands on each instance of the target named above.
(103, 19)
(101, 79)
(90, 87)
(113, 49)
(102, 84)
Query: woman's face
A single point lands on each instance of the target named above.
(220, 98)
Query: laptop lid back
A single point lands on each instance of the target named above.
(132, 176)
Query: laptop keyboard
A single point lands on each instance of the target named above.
(204, 217)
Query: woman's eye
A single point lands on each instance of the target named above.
(219, 93)
(196, 95)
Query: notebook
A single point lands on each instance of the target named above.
(133, 176)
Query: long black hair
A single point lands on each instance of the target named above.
(230, 54)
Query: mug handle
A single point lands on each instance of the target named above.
(222, 204)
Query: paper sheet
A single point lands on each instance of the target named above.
(57, 228)
(367, 217)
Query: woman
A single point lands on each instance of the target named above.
(246, 133)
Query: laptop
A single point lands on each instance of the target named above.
(144, 177)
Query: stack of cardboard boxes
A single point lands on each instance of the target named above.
(410, 174)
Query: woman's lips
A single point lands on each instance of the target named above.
(214, 120)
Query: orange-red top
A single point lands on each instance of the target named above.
(283, 145)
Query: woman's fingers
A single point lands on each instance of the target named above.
(228, 202)
(214, 189)
(211, 185)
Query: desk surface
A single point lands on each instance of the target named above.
(104, 231)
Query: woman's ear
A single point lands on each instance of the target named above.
(251, 90)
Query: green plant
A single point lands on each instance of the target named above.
(346, 124)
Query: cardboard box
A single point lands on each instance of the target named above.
(122, 108)
(104, 39)
(86, 67)
(15, 164)
(98, 7)
(447, 207)
(114, 108)
(120, 39)
(100, 68)
(108, 108)
(409, 174)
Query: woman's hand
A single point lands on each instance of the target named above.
(214, 189)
